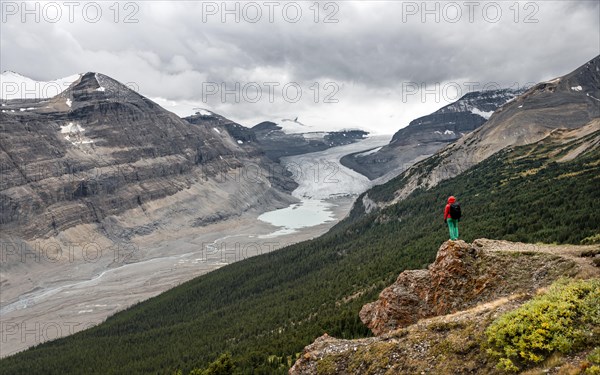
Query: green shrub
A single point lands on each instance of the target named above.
(594, 358)
(591, 240)
(564, 319)
(222, 366)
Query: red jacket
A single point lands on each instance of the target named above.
(447, 210)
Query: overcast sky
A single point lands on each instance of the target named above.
(356, 63)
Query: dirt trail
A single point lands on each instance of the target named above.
(571, 252)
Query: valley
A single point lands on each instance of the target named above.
(52, 299)
(137, 241)
(300, 188)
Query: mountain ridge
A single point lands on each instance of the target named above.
(573, 97)
(428, 134)
(98, 124)
(525, 120)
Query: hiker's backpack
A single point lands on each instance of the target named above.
(455, 211)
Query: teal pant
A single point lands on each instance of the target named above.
(453, 228)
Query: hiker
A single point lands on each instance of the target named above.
(452, 216)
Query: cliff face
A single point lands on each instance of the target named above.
(433, 321)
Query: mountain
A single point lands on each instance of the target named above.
(100, 180)
(274, 142)
(102, 167)
(426, 135)
(247, 140)
(278, 141)
(571, 101)
(264, 310)
(100, 149)
(240, 133)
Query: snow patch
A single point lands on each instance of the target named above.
(449, 132)
(577, 88)
(290, 126)
(69, 102)
(240, 142)
(217, 130)
(101, 89)
(593, 97)
(204, 112)
(485, 115)
(71, 128)
(74, 134)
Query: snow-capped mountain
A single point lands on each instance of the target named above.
(279, 140)
(427, 134)
(482, 103)
(568, 102)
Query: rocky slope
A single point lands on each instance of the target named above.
(99, 149)
(251, 143)
(569, 102)
(426, 135)
(432, 321)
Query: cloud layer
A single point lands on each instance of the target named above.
(356, 63)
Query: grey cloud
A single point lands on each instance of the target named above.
(170, 53)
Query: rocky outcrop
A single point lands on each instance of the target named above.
(433, 321)
(462, 276)
(442, 345)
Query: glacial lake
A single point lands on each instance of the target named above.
(307, 213)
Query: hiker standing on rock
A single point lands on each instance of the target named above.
(452, 216)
